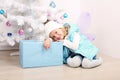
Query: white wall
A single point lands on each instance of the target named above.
(105, 24)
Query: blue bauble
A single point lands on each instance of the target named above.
(9, 34)
(52, 4)
(2, 11)
(65, 15)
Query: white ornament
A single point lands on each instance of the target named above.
(29, 30)
(10, 41)
(20, 20)
(51, 13)
(43, 18)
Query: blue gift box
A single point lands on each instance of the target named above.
(33, 54)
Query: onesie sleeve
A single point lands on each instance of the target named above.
(73, 44)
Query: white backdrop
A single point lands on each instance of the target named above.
(105, 24)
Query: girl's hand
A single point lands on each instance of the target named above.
(46, 43)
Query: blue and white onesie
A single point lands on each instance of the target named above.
(78, 43)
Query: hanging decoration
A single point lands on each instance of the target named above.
(52, 4)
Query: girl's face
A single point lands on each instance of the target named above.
(57, 34)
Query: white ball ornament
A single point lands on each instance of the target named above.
(43, 18)
(29, 30)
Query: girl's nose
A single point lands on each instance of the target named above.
(57, 36)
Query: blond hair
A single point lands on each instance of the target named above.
(65, 30)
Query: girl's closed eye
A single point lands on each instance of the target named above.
(56, 32)
(53, 37)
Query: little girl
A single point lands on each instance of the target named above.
(77, 50)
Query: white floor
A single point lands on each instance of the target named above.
(11, 70)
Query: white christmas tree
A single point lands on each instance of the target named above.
(26, 21)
